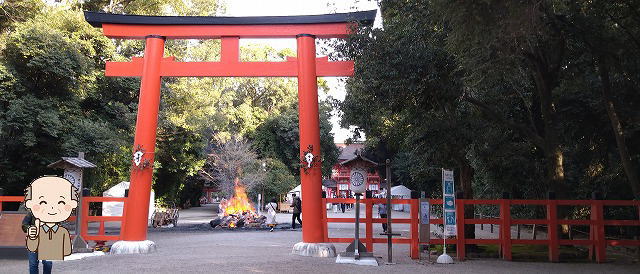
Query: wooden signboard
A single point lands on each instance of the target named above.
(424, 227)
(11, 229)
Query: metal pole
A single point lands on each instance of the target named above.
(389, 230)
(357, 245)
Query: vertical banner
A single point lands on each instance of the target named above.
(424, 231)
(448, 203)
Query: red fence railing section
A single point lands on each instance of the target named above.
(597, 241)
(10, 199)
(101, 235)
(368, 240)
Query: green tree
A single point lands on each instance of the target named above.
(278, 138)
(49, 67)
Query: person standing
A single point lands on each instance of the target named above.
(34, 263)
(271, 214)
(297, 209)
(382, 211)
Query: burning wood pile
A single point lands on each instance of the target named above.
(238, 212)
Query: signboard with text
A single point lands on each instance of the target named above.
(448, 203)
(424, 227)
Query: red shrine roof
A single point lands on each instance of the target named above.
(349, 151)
(358, 157)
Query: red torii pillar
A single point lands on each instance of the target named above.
(151, 69)
(308, 115)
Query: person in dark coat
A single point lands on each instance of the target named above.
(34, 263)
(297, 209)
(382, 211)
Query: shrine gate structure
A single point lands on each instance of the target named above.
(155, 30)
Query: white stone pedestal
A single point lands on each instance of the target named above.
(133, 247)
(314, 249)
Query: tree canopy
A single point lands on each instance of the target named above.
(55, 100)
(523, 97)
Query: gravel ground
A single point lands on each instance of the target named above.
(270, 252)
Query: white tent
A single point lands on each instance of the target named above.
(401, 192)
(298, 192)
(115, 208)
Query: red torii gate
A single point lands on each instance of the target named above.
(153, 66)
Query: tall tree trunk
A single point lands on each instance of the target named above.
(466, 179)
(618, 131)
(555, 169)
(545, 76)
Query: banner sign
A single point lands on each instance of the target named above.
(424, 212)
(448, 203)
(448, 187)
(449, 223)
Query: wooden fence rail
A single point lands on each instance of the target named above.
(597, 241)
(101, 235)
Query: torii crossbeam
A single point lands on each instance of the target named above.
(153, 66)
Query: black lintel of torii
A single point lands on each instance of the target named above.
(96, 19)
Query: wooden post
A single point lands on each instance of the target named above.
(552, 230)
(85, 221)
(368, 224)
(325, 226)
(460, 246)
(415, 221)
(600, 242)
(505, 228)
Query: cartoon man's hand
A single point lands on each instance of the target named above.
(34, 230)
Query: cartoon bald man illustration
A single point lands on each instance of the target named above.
(51, 200)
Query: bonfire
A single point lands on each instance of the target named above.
(238, 211)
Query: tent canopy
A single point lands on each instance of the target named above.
(401, 190)
(298, 192)
(116, 208)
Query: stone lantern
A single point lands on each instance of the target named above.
(73, 167)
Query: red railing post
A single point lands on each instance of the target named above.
(505, 228)
(415, 242)
(600, 242)
(325, 227)
(592, 229)
(84, 224)
(368, 224)
(460, 238)
(552, 230)
(101, 229)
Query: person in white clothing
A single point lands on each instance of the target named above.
(271, 214)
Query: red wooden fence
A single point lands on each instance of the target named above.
(597, 241)
(101, 235)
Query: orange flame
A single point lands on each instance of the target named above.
(239, 203)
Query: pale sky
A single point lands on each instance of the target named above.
(302, 7)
